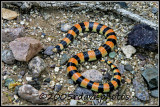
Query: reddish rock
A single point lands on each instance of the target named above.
(25, 48)
(10, 34)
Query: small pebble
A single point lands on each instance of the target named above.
(57, 88)
(112, 54)
(128, 67)
(154, 10)
(8, 81)
(70, 81)
(52, 83)
(22, 22)
(128, 80)
(64, 59)
(56, 69)
(48, 50)
(154, 93)
(8, 57)
(22, 73)
(65, 27)
(107, 76)
(73, 102)
(47, 80)
(29, 78)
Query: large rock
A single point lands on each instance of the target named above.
(36, 65)
(29, 93)
(10, 34)
(143, 36)
(25, 48)
(9, 14)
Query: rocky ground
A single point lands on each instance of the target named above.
(29, 73)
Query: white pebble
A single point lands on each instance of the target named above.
(19, 80)
(61, 81)
(87, 67)
(22, 22)
(94, 67)
(5, 77)
(52, 83)
(15, 97)
(56, 69)
(42, 36)
(29, 78)
(128, 50)
(49, 39)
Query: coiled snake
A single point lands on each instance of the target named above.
(92, 55)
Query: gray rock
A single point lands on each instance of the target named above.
(83, 91)
(7, 57)
(154, 10)
(151, 77)
(70, 81)
(36, 65)
(57, 88)
(155, 93)
(48, 50)
(22, 73)
(140, 90)
(107, 76)
(128, 67)
(10, 34)
(35, 83)
(112, 54)
(64, 59)
(29, 93)
(93, 75)
(46, 15)
(75, 42)
(65, 27)
(121, 68)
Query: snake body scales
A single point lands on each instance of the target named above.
(92, 55)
